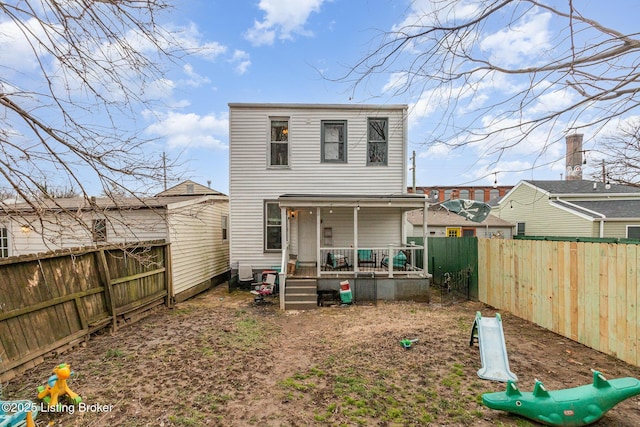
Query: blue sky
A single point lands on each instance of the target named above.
(279, 50)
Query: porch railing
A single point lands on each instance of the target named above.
(391, 259)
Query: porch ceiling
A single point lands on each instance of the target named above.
(408, 201)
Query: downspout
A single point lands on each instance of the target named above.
(601, 220)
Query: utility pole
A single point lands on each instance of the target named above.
(604, 173)
(413, 170)
(164, 169)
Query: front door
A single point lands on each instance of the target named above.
(307, 233)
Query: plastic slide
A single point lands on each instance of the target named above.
(493, 350)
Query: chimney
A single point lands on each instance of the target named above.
(574, 157)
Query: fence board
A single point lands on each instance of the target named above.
(587, 292)
(54, 300)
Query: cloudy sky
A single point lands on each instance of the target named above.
(292, 51)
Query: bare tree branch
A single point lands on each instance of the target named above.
(448, 57)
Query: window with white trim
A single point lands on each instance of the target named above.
(4, 242)
(377, 141)
(279, 142)
(519, 228)
(334, 141)
(633, 232)
(272, 227)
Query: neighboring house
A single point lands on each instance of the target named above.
(575, 208)
(322, 186)
(195, 225)
(442, 223)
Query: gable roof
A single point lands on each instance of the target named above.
(440, 217)
(189, 188)
(104, 203)
(576, 187)
(611, 209)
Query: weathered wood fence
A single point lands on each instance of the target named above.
(587, 292)
(50, 302)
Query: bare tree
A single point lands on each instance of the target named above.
(452, 56)
(621, 164)
(72, 117)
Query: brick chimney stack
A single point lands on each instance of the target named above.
(574, 157)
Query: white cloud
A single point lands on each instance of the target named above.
(512, 45)
(192, 130)
(283, 18)
(423, 13)
(241, 60)
(436, 151)
(194, 79)
(18, 44)
(396, 81)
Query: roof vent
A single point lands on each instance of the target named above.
(595, 185)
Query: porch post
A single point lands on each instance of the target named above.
(284, 242)
(318, 237)
(355, 239)
(425, 234)
(390, 261)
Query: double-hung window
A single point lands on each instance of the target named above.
(377, 141)
(272, 227)
(519, 228)
(4, 242)
(279, 142)
(334, 141)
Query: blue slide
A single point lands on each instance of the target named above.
(493, 350)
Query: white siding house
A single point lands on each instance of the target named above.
(196, 226)
(309, 181)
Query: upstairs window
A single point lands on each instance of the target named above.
(279, 142)
(377, 142)
(334, 141)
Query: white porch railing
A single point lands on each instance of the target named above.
(398, 259)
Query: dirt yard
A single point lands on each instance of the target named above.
(220, 360)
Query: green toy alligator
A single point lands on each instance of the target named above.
(577, 406)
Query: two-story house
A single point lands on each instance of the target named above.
(319, 192)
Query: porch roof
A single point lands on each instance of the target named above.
(409, 201)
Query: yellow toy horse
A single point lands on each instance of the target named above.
(57, 386)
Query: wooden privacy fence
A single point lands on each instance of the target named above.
(49, 302)
(587, 292)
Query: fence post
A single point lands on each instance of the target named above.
(108, 290)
